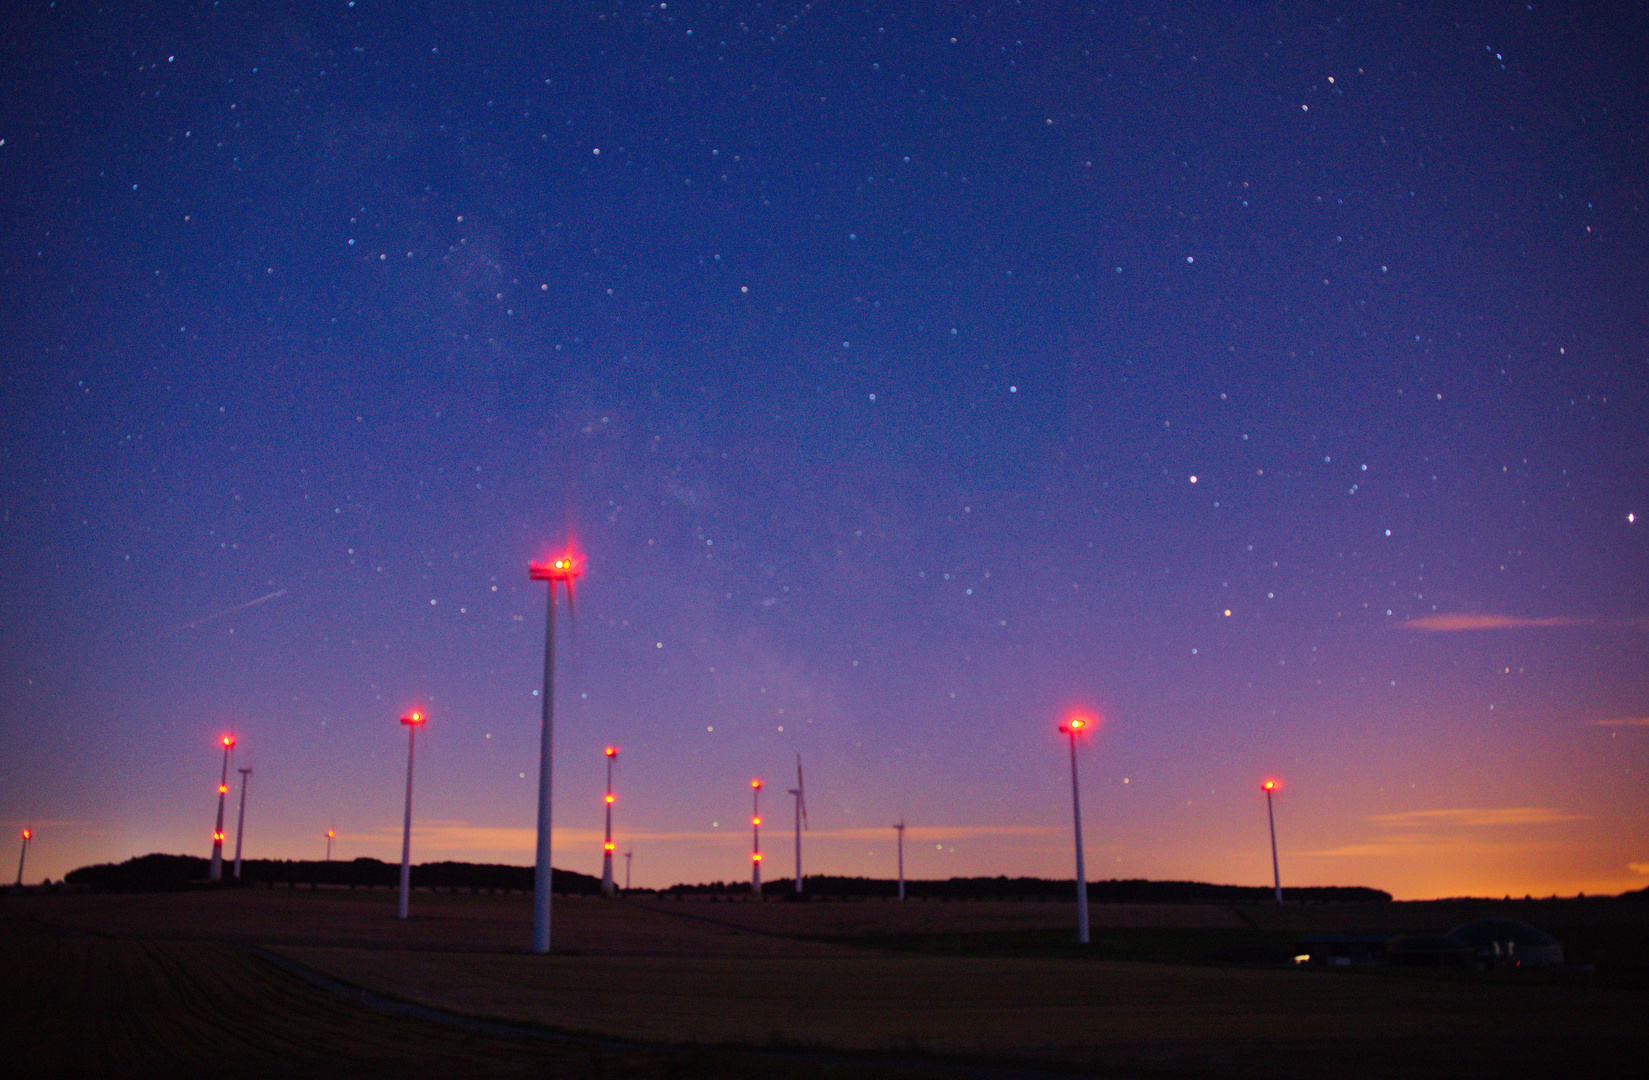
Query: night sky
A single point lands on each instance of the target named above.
(1270, 381)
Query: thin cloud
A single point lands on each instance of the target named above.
(1450, 623)
(930, 833)
(1638, 867)
(1474, 816)
(1623, 721)
(1439, 847)
(461, 835)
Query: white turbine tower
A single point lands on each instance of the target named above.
(800, 795)
(607, 842)
(756, 838)
(900, 829)
(240, 827)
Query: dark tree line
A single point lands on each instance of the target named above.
(162, 872)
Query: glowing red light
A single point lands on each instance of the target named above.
(1270, 785)
(608, 846)
(561, 568)
(229, 740)
(755, 783)
(612, 751)
(27, 833)
(755, 821)
(223, 789)
(1075, 724)
(330, 835)
(218, 836)
(612, 798)
(755, 856)
(412, 718)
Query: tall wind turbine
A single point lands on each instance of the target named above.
(240, 826)
(1271, 815)
(800, 795)
(607, 844)
(215, 873)
(565, 568)
(900, 829)
(413, 721)
(1073, 727)
(627, 856)
(756, 837)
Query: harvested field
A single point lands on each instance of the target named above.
(663, 975)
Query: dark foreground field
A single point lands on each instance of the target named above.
(188, 983)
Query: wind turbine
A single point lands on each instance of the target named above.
(800, 795)
(1271, 815)
(240, 826)
(1072, 727)
(215, 873)
(330, 836)
(607, 844)
(627, 856)
(27, 833)
(900, 829)
(413, 721)
(756, 838)
(563, 568)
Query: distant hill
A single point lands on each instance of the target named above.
(152, 873)
(1130, 891)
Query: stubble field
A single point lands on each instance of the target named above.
(127, 985)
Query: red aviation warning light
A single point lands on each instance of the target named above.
(1270, 785)
(413, 718)
(756, 784)
(562, 568)
(611, 751)
(755, 856)
(228, 740)
(611, 798)
(608, 846)
(1075, 724)
(27, 833)
(755, 821)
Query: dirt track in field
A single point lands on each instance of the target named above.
(121, 973)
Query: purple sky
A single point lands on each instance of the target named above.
(910, 375)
